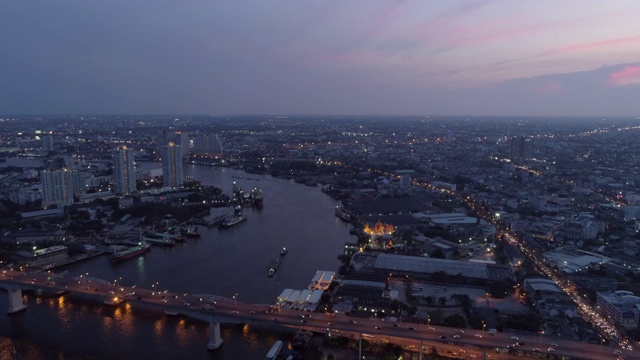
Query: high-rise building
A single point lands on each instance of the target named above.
(405, 182)
(124, 172)
(47, 143)
(172, 173)
(59, 186)
(182, 139)
(208, 144)
(521, 148)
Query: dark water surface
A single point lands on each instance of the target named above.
(222, 262)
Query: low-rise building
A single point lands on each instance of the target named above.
(621, 306)
(42, 257)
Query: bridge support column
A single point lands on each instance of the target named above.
(215, 339)
(15, 301)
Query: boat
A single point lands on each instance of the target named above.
(230, 221)
(284, 251)
(130, 252)
(176, 236)
(164, 241)
(190, 232)
(326, 279)
(316, 280)
(274, 351)
(273, 266)
(256, 194)
(342, 214)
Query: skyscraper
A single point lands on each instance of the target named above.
(124, 172)
(521, 148)
(172, 173)
(208, 144)
(182, 139)
(59, 186)
(47, 143)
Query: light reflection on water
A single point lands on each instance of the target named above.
(221, 262)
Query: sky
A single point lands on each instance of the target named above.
(333, 57)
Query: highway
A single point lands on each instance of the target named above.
(467, 343)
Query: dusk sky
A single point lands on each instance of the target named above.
(543, 57)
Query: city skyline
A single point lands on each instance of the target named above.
(370, 58)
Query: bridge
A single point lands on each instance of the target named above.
(217, 309)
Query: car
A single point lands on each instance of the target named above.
(456, 336)
(252, 312)
(274, 319)
(442, 337)
(478, 335)
(431, 328)
(378, 328)
(412, 328)
(461, 331)
(551, 349)
(352, 321)
(186, 304)
(515, 338)
(330, 324)
(396, 325)
(520, 343)
(554, 345)
(617, 352)
(536, 350)
(303, 321)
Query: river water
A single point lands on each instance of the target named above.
(223, 262)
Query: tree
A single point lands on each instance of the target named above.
(440, 277)
(438, 254)
(442, 300)
(500, 289)
(455, 320)
(429, 300)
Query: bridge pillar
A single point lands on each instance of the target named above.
(215, 339)
(15, 301)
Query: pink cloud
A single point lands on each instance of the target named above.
(627, 76)
(550, 87)
(593, 46)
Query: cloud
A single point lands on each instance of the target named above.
(550, 87)
(627, 76)
(598, 45)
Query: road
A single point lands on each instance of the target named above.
(467, 343)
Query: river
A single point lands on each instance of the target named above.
(223, 262)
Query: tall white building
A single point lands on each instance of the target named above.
(172, 173)
(124, 171)
(208, 144)
(59, 186)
